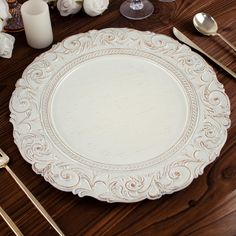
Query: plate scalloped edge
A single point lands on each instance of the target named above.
(114, 186)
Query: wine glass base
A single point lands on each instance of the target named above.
(141, 14)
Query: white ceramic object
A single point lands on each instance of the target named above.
(119, 115)
(6, 45)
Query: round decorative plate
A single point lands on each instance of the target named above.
(119, 115)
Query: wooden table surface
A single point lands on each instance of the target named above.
(206, 207)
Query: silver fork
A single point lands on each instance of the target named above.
(4, 159)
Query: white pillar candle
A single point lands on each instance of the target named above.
(37, 23)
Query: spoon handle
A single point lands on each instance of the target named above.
(180, 36)
(226, 41)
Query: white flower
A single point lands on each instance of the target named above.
(67, 7)
(6, 45)
(4, 10)
(95, 7)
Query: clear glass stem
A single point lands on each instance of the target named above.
(136, 4)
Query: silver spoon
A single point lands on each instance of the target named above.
(207, 25)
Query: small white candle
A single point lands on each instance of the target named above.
(37, 23)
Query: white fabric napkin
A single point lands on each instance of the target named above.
(6, 41)
(6, 45)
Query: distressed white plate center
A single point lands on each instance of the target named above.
(119, 109)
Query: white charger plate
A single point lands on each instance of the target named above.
(119, 115)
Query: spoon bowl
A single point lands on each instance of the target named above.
(205, 24)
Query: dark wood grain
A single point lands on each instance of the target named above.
(206, 207)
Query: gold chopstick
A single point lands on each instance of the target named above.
(10, 223)
(3, 164)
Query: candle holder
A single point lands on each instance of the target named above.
(136, 9)
(14, 24)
